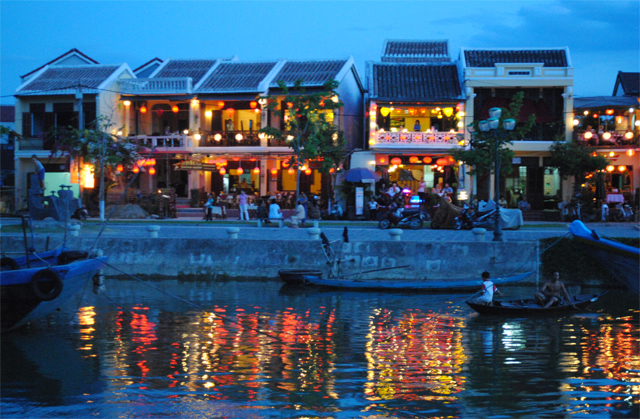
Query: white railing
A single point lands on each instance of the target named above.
(165, 142)
(159, 85)
(434, 138)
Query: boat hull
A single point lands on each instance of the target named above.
(20, 305)
(621, 260)
(296, 276)
(530, 308)
(425, 286)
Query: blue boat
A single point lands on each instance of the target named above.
(621, 260)
(400, 286)
(36, 284)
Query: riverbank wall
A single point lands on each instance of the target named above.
(208, 259)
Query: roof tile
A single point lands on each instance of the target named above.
(488, 58)
(195, 69)
(312, 73)
(236, 77)
(416, 51)
(60, 78)
(415, 82)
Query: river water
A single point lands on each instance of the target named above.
(247, 349)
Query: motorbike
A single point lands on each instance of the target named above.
(80, 214)
(412, 218)
(469, 219)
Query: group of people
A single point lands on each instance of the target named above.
(552, 293)
(305, 209)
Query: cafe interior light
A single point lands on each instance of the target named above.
(197, 136)
(88, 180)
(185, 132)
(606, 135)
(208, 114)
(628, 135)
(127, 103)
(576, 122)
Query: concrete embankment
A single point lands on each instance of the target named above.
(206, 259)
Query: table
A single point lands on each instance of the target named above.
(614, 197)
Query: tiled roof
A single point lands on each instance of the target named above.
(61, 78)
(414, 82)
(313, 73)
(416, 51)
(630, 83)
(488, 58)
(68, 53)
(186, 68)
(236, 77)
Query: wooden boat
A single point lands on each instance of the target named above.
(400, 286)
(36, 284)
(296, 276)
(621, 260)
(529, 307)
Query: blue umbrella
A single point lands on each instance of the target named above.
(360, 174)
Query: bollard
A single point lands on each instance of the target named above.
(314, 233)
(478, 234)
(395, 234)
(233, 232)
(74, 229)
(153, 231)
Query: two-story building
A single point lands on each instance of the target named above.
(491, 78)
(416, 108)
(71, 90)
(202, 117)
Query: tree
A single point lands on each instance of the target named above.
(307, 128)
(574, 160)
(480, 154)
(99, 146)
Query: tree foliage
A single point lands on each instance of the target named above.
(307, 128)
(574, 160)
(480, 154)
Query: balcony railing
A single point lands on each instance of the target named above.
(159, 85)
(418, 138)
(607, 138)
(236, 139)
(164, 142)
(34, 144)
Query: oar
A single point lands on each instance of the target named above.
(380, 269)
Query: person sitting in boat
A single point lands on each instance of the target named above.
(488, 289)
(552, 292)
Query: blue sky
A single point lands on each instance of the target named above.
(603, 36)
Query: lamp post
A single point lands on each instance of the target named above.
(491, 125)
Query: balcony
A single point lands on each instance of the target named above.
(610, 139)
(237, 139)
(169, 143)
(426, 140)
(157, 86)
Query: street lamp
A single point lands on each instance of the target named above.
(491, 125)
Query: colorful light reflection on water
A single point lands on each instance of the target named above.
(256, 350)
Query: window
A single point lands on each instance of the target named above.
(519, 73)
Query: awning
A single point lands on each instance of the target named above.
(611, 102)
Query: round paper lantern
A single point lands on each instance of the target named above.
(291, 170)
(217, 137)
(588, 135)
(239, 137)
(427, 160)
(140, 162)
(610, 168)
(119, 168)
(135, 169)
(253, 104)
(239, 171)
(609, 111)
(413, 159)
(257, 110)
(143, 109)
(307, 172)
(628, 135)
(332, 170)
(152, 170)
(256, 171)
(447, 112)
(384, 111)
(442, 161)
(230, 112)
(630, 153)
(221, 104)
(153, 161)
(274, 172)
(175, 109)
(285, 163)
(396, 161)
(223, 171)
(622, 168)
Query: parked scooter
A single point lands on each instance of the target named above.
(80, 214)
(469, 219)
(412, 218)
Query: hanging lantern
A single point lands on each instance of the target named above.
(630, 153)
(217, 137)
(291, 170)
(307, 172)
(256, 170)
(159, 112)
(610, 168)
(119, 168)
(153, 161)
(143, 109)
(595, 115)
(588, 135)
(447, 112)
(413, 159)
(147, 162)
(152, 170)
(396, 161)
(230, 112)
(140, 162)
(606, 135)
(285, 163)
(274, 171)
(222, 171)
(221, 104)
(253, 104)
(622, 168)
(427, 160)
(332, 170)
(412, 111)
(208, 114)
(628, 135)
(290, 105)
(175, 109)
(384, 111)
(619, 119)
(609, 112)
(135, 169)
(239, 171)
(442, 161)
(239, 137)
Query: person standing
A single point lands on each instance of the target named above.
(243, 205)
(373, 209)
(208, 208)
(488, 289)
(39, 170)
(416, 126)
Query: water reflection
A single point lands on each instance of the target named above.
(282, 353)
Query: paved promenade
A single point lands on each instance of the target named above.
(358, 231)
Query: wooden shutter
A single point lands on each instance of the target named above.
(26, 124)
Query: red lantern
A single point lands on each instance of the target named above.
(274, 172)
(610, 111)
(153, 161)
(427, 160)
(253, 104)
(396, 161)
(239, 171)
(332, 170)
(140, 162)
(230, 112)
(413, 159)
(143, 109)
(256, 170)
(223, 171)
(285, 163)
(119, 168)
(152, 170)
(307, 172)
(442, 162)
(595, 115)
(159, 112)
(135, 169)
(175, 109)
(290, 105)
(291, 170)
(221, 104)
